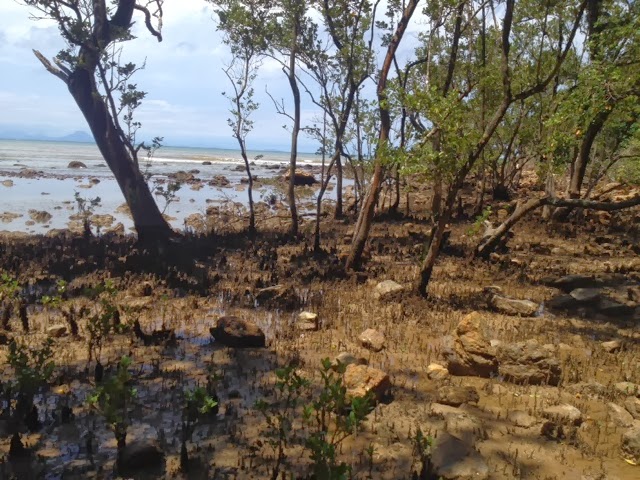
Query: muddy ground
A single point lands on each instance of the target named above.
(500, 428)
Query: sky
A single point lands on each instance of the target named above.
(183, 78)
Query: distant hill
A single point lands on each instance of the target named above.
(77, 136)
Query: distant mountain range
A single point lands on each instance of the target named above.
(78, 136)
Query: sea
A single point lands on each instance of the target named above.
(55, 186)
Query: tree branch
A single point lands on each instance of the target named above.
(50, 67)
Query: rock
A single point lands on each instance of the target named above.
(5, 337)
(7, 183)
(612, 346)
(589, 296)
(206, 162)
(40, 216)
(468, 352)
(632, 404)
(442, 411)
(564, 414)
(454, 459)
(521, 419)
(562, 302)
(612, 308)
(182, 177)
(456, 396)
(528, 363)
(8, 217)
(117, 229)
(465, 427)
(141, 455)
(387, 290)
(301, 178)
(587, 388)
(627, 388)
(278, 296)
(307, 321)
(57, 331)
(219, 181)
(436, 371)
(630, 446)
(76, 164)
(372, 340)
(572, 282)
(237, 332)
(345, 358)
(513, 306)
(361, 379)
(103, 221)
(619, 415)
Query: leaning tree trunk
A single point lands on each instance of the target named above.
(293, 83)
(147, 218)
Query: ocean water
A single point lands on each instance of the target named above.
(53, 190)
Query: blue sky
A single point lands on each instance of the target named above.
(183, 78)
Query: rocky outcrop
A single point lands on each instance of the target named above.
(528, 363)
(361, 380)
(455, 459)
(457, 395)
(76, 164)
(302, 178)
(238, 333)
(308, 321)
(388, 290)
(372, 339)
(513, 306)
(468, 352)
(40, 216)
(630, 447)
(141, 455)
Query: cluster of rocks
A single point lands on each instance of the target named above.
(301, 178)
(615, 297)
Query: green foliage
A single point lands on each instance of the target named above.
(104, 318)
(33, 367)
(113, 399)
(9, 287)
(169, 192)
(478, 224)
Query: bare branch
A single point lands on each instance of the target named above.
(50, 67)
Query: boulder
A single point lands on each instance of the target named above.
(7, 183)
(76, 164)
(360, 380)
(630, 447)
(613, 346)
(586, 296)
(612, 308)
(528, 363)
(206, 162)
(513, 306)
(141, 455)
(40, 216)
(436, 371)
(372, 339)
(456, 396)
(627, 388)
(443, 411)
(521, 419)
(632, 404)
(619, 415)
(237, 332)
(468, 352)
(455, 459)
(387, 290)
(562, 302)
(278, 296)
(301, 178)
(345, 358)
(307, 321)
(564, 414)
(571, 282)
(57, 331)
(219, 181)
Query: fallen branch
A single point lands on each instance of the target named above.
(489, 243)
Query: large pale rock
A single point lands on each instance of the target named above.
(455, 459)
(528, 363)
(57, 331)
(387, 290)
(564, 414)
(521, 419)
(457, 395)
(589, 296)
(632, 404)
(307, 321)
(141, 455)
(237, 332)
(468, 351)
(619, 415)
(372, 339)
(513, 306)
(630, 446)
(436, 371)
(627, 388)
(361, 379)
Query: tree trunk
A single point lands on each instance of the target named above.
(365, 218)
(429, 262)
(147, 219)
(247, 166)
(293, 83)
(338, 210)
